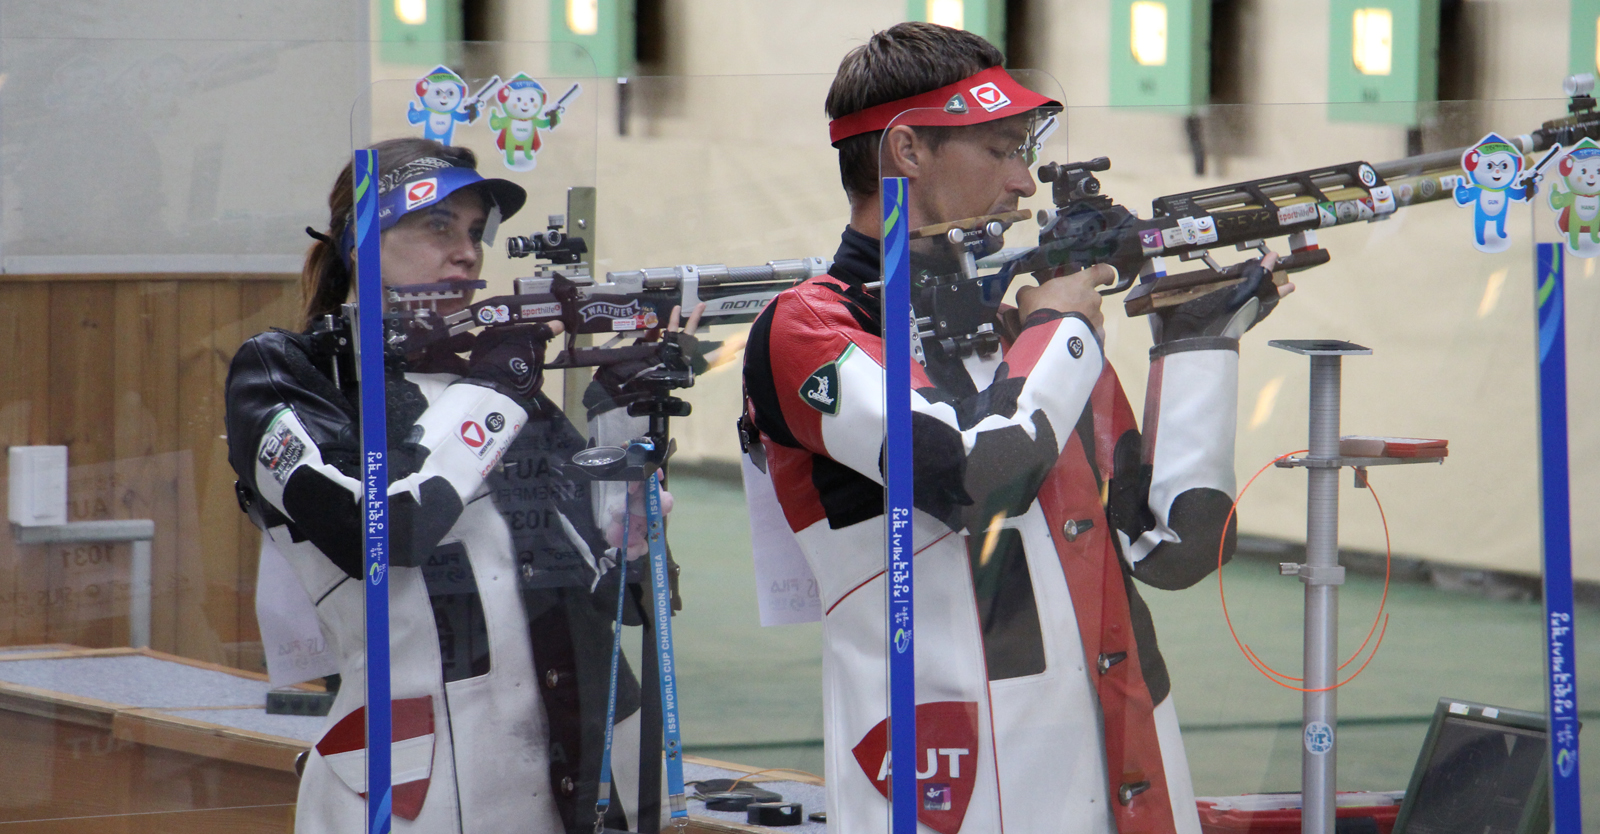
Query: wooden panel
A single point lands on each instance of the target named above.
(200, 398)
(127, 371)
(24, 415)
(81, 411)
(60, 778)
(146, 435)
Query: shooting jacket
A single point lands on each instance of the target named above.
(499, 652)
(1042, 698)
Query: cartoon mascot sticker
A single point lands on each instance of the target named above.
(1579, 203)
(517, 113)
(1493, 181)
(440, 104)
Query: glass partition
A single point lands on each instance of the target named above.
(119, 334)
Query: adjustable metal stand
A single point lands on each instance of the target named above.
(1322, 575)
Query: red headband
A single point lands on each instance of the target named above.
(989, 95)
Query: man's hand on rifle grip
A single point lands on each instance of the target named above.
(1073, 293)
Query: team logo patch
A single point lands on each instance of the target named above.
(281, 452)
(946, 767)
(495, 421)
(956, 105)
(519, 366)
(421, 192)
(1075, 347)
(990, 97)
(821, 389)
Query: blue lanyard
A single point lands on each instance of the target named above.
(662, 594)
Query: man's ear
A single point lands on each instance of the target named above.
(900, 152)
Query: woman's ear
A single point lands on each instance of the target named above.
(899, 153)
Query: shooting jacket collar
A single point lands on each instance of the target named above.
(989, 95)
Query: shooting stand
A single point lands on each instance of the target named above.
(1322, 574)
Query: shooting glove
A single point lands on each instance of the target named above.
(1226, 313)
(510, 359)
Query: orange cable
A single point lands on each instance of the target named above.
(1250, 656)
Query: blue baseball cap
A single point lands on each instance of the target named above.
(423, 182)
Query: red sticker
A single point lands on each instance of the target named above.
(947, 736)
(473, 435)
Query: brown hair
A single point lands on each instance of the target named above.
(324, 280)
(903, 60)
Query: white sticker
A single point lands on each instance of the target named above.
(1172, 237)
(1458, 709)
(624, 324)
(1297, 213)
(1382, 199)
(1368, 176)
(1491, 712)
(1197, 231)
(421, 192)
(1327, 214)
(1319, 738)
(990, 97)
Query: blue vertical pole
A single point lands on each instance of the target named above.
(898, 473)
(375, 476)
(1566, 796)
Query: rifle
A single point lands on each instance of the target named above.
(561, 289)
(1084, 227)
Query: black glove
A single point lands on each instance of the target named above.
(510, 359)
(1226, 313)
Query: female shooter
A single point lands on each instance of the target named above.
(499, 642)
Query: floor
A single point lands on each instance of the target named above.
(753, 695)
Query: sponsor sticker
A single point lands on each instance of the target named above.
(421, 192)
(1319, 738)
(533, 311)
(821, 389)
(1382, 199)
(1368, 176)
(1075, 347)
(1328, 214)
(605, 309)
(1171, 237)
(1429, 187)
(1198, 231)
(475, 438)
(1297, 213)
(1150, 241)
(281, 451)
(956, 105)
(990, 97)
(495, 421)
(1403, 193)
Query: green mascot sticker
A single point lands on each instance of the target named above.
(821, 389)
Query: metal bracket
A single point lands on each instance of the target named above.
(1313, 575)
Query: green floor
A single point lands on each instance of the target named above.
(753, 694)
